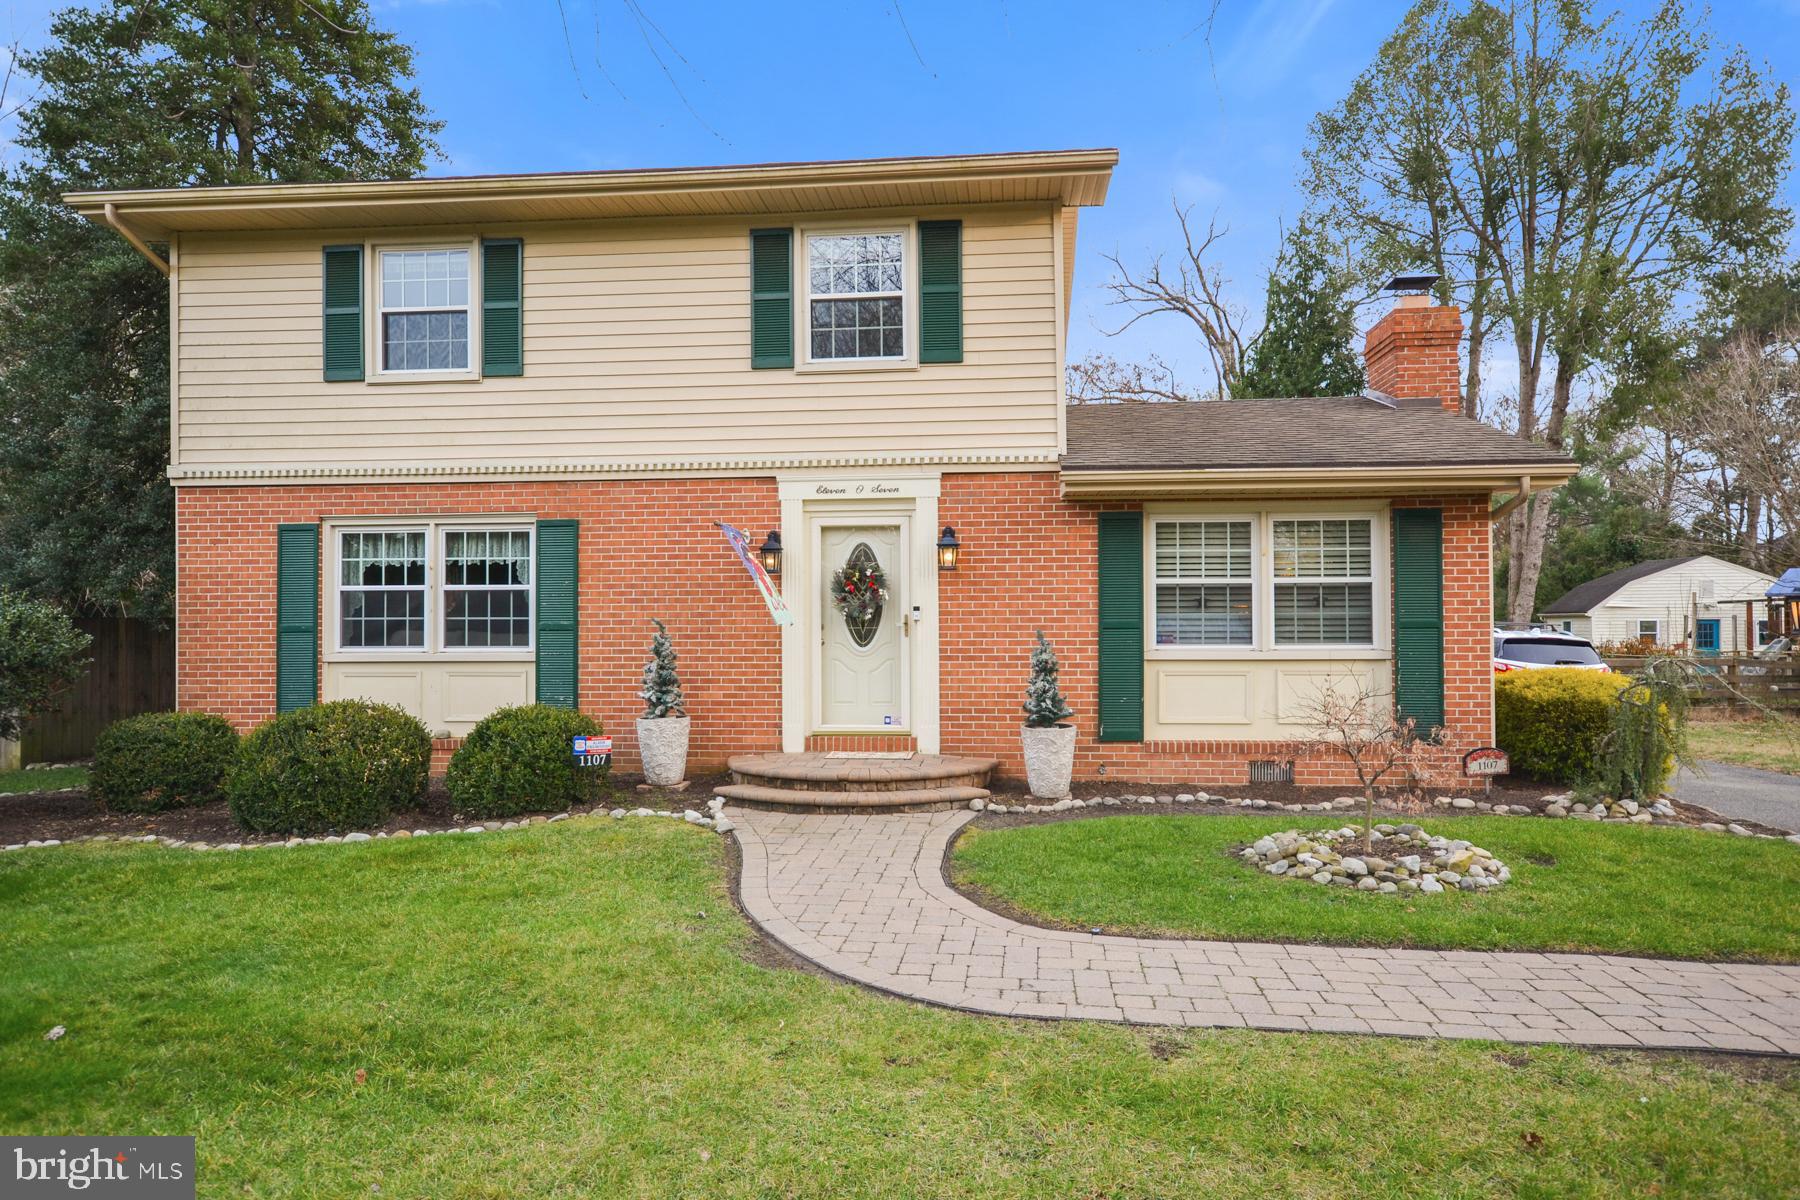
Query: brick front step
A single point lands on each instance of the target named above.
(932, 799)
(816, 782)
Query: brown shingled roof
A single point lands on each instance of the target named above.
(1341, 431)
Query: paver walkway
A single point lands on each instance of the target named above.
(864, 897)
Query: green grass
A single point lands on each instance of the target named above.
(1623, 889)
(547, 1014)
(1772, 743)
(49, 780)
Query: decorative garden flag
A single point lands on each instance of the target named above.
(778, 608)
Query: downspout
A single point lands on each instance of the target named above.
(1524, 491)
(137, 243)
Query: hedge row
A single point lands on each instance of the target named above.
(336, 767)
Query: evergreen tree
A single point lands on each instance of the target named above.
(1306, 347)
(153, 93)
(1044, 703)
(661, 692)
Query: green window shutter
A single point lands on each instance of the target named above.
(1121, 627)
(343, 313)
(502, 306)
(771, 298)
(1419, 615)
(557, 574)
(940, 292)
(296, 616)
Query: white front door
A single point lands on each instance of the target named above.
(862, 656)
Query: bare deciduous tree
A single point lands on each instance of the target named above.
(1103, 379)
(1192, 288)
(1360, 722)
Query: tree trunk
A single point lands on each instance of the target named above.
(1530, 526)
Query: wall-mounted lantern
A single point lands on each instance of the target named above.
(948, 548)
(770, 553)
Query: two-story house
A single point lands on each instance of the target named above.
(452, 443)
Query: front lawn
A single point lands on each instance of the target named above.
(1772, 743)
(49, 779)
(1622, 889)
(573, 1011)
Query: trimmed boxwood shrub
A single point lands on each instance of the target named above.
(1552, 721)
(343, 765)
(518, 760)
(158, 761)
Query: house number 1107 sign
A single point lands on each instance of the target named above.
(592, 751)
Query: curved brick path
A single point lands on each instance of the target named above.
(864, 897)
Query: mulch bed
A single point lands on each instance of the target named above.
(69, 816)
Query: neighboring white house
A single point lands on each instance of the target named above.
(1702, 602)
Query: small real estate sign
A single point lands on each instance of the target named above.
(1484, 761)
(592, 751)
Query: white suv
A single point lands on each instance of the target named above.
(1543, 646)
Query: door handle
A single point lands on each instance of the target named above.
(905, 625)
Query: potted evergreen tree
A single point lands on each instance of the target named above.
(1049, 742)
(663, 729)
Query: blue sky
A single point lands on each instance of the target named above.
(1217, 121)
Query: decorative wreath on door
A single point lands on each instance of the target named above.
(858, 591)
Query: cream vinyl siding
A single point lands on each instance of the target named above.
(637, 349)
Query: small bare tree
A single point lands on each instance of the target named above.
(1194, 289)
(1362, 724)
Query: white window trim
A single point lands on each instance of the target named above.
(1377, 561)
(1655, 624)
(1217, 649)
(339, 587)
(909, 295)
(372, 327)
(1263, 647)
(530, 589)
(434, 649)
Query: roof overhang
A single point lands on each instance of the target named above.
(1060, 177)
(1277, 482)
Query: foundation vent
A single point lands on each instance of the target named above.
(1272, 772)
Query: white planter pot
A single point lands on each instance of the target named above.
(1049, 760)
(662, 744)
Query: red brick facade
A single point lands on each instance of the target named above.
(649, 548)
(1015, 527)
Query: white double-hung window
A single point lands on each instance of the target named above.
(423, 320)
(1204, 583)
(1324, 585)
(1220, 584)
(856, 296)
(455, 587)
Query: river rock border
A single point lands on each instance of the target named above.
(1563, 805)
(716, 820)
(1410, 860)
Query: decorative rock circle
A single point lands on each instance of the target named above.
(1401, 859)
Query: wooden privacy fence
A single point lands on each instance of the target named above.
(133, 672)
(1730, 679)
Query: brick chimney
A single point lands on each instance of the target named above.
(1412, 354)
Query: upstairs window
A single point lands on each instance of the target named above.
(424, 314)
(856, 291)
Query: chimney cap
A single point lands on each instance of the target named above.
(1411, 283)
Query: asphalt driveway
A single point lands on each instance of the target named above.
(1743, 793)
